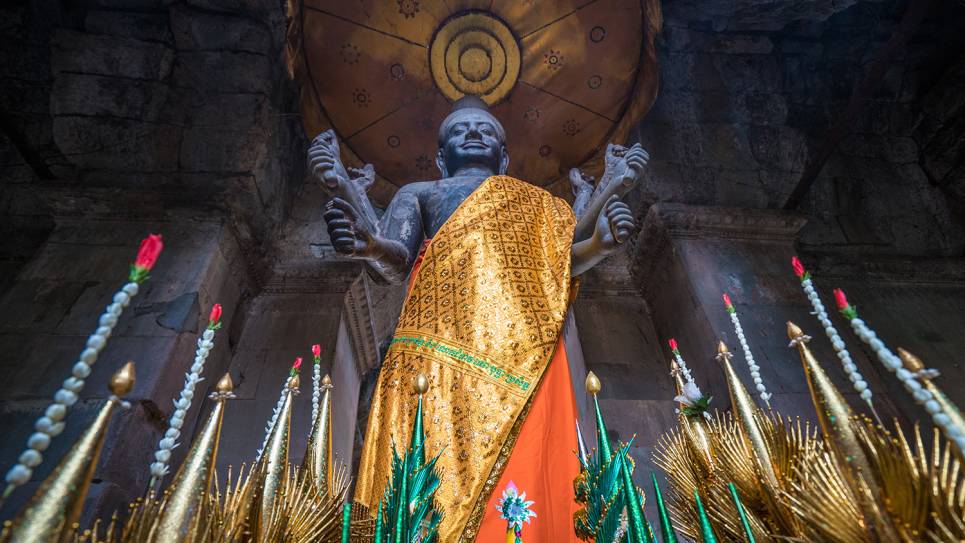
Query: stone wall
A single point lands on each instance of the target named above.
(749, 93)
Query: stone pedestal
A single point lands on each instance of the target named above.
(688, 256)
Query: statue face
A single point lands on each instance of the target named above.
(472, 138)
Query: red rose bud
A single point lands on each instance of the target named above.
(840, 299)
(317, 351)
(214, 319)
(673, 344)
(844, 307)
(728, 304)
(147, 254)
(798, 267)
(296, 366)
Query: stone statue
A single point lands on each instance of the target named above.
(472, 147)
(491, 261)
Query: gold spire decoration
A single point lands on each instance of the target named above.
(695, 429)
(272, 468)
(948, 408)
(318, 454)
(745, 411)
(53, 511)
(186, 500)
(835, 419)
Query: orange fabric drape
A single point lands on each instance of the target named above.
(543, 463)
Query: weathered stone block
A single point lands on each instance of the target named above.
(79, 52)
(95, 95)
(205, 31)
(778, 147)
(128, 24)
(118, 144)
(223, 71)
(212, 149)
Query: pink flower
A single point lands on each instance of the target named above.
(673, 344)
(298, 364)
(215, 316)
(798, 267)
(840, 299)
(147, 254)
(317, 351)
(727, 302)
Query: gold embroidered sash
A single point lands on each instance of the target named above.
(481, 321)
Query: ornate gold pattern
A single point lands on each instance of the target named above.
(494, 282)
(474, 53)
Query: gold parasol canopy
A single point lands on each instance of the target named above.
(563, 77)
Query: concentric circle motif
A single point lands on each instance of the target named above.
(474, 53)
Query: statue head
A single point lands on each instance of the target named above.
(471, 137)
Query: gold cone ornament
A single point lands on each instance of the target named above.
(272, 468)
(955, 426)
(835, 418)
(695, 429)
(318, 454)
(52, 513)
(745, 412)
(183, 510)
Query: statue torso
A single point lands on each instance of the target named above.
(438, 200)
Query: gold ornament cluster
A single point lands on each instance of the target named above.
(475, 53)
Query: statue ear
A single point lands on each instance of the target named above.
(441, 163)
(503, 160)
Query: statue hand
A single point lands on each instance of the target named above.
(636, 158)
(613, 225)
(580, 181)
(324, 162)
(349, 235)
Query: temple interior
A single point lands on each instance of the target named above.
(829, 130)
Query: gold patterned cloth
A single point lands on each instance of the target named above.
(481, 321)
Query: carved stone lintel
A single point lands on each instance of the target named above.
(683, 221)
(357, 309)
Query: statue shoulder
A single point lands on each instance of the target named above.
(416, 189)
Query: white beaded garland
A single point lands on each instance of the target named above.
(50, 424)
(910, 381)
(19, 474)
(749, 357)
(840, 348)
(181, 405)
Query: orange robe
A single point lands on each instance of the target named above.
(482, 322)
(543, 463)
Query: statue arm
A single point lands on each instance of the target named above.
(612, 227)
(400, 237)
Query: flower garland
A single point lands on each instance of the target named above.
(159, 468)
(296, 367)
(850, 368)
(894, 364)
(51, 424)
(694, 401)
(316, 380)
(748, 355)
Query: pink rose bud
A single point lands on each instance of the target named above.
(297, 364)
(317, 350)
(840, 299)
(727, 302)
(215, 316)
(673, 344)
(148, 252)
(798, 267)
